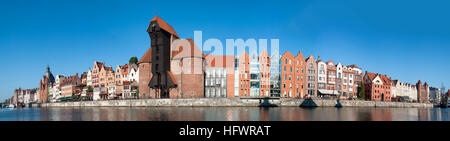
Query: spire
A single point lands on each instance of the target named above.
(48, 68)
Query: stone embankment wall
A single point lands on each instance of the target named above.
(217, 102)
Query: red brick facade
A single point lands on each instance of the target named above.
(244, 75)
(377, 86)
(264, 75)
(293, 75)
(422, 92)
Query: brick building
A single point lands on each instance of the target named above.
(44, 86)
(69, 86)
(422, 92)
(311, 77)
(145, 64)
(264, 74)
(244, 75)
(377, 87)
(172, 67)
(293, 75)
(187, 70)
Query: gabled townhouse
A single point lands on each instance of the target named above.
(331, 77)
(244, 75)
(357, 78)
(293, 75)
(264, 74)
(311, 76)
(348, 89)
(110, 83)
(321, 75)
(69, 86)
(89, 78)
(287, 74)
(403, 91)
(133, 75)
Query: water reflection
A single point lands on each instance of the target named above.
(224, 114)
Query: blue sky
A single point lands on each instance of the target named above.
(407, 40)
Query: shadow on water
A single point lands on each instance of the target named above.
(338, 104)
(266, 103)
(308, 103)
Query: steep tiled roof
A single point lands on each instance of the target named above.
(384, 78)
(100, 64)
(124, 69)
(353, 66)
(371, 75)
(108, 68)
(72, 80)
(164, 26)
(147, 58)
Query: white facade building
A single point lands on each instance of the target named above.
(216, 82)
(254, 75)
(405, 90)
(89, 78)
(133, 75)
(321, 75)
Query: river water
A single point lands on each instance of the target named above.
(224, 114)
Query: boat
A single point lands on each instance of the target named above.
(11, 106)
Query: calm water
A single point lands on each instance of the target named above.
(224, 114)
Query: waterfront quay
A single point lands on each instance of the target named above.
(237, 102)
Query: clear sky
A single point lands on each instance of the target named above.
(405, 39)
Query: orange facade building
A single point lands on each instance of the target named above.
(244, 75)
(264, 74)
(292, 75)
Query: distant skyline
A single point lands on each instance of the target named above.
(408, 40)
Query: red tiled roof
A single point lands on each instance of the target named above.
(124, 69)
(371, 75)
(147, 57)
(126, 82)
(108, 68)
(353, 66)
(100, 64)
(164, 26)
(384, 78)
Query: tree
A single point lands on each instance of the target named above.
(362, 93)
(133, 60)
(90, 89)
